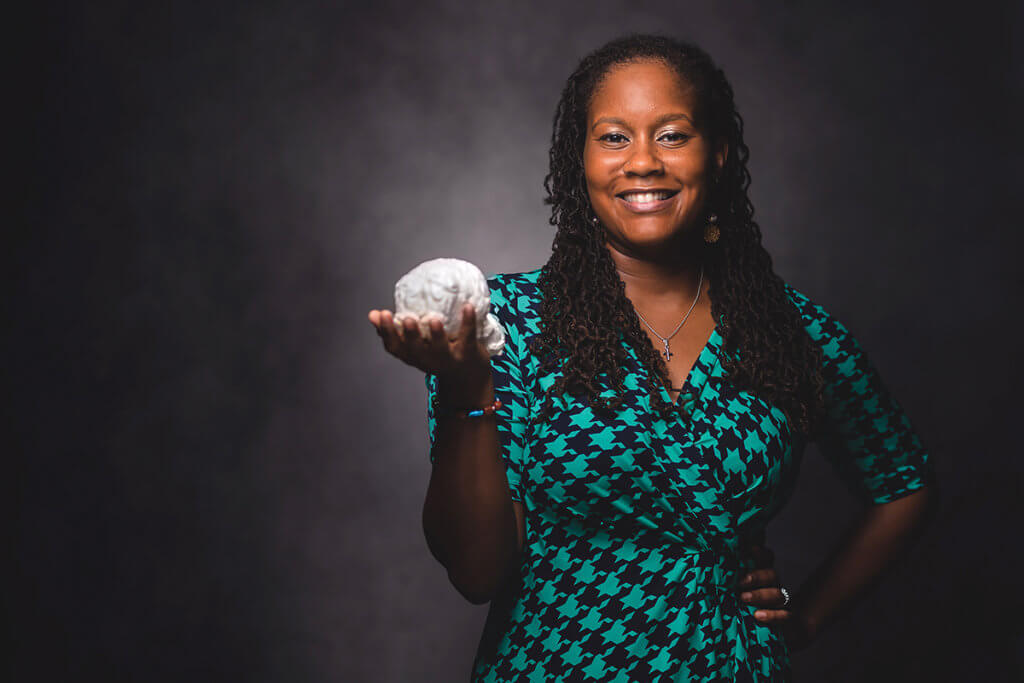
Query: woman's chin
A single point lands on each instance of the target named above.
(653, 238)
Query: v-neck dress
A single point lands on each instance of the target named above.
(636, 525)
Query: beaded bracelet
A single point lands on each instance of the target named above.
(475, 412)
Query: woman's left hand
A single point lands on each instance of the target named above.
(760, 588)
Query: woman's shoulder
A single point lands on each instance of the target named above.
(515, 301)
(524, 282)
(517, 292)
(807, 307)
(821, 325)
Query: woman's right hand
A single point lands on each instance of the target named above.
(461, 358)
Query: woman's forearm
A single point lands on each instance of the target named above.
(468, 517)
(860, 558)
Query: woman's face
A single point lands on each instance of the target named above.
(647, 166)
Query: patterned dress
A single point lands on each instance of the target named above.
(635, 525)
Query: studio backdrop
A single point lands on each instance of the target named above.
(220, 472)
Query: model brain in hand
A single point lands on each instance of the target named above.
(438, 289)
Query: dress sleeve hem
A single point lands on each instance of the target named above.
(891, 496)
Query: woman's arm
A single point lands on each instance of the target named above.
(863, 555)
(872, 445)
(469, 520)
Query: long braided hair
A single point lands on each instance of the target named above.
(584, 306)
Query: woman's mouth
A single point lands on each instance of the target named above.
(646, 201)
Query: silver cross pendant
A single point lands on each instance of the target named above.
(666, 352)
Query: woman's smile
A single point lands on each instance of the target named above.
(641, 201)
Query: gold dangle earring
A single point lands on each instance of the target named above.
(711, 231)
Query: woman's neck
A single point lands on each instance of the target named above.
(663, 281)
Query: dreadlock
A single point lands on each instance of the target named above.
(584, 306)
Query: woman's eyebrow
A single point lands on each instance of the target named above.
(657, 122)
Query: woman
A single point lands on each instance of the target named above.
(656, 393)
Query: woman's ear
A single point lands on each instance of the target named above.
(721, 155)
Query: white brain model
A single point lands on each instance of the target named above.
(439, 288)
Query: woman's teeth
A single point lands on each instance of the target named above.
(646, 197)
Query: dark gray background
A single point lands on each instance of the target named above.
(221, 472)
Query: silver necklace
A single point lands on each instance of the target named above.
(664, 340)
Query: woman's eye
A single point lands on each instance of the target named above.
(613, 137)
(675, 137)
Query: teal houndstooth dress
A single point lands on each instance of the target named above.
(636, 524)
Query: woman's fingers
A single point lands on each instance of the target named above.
(438, 340)
(760, 588)
(773, 616)
(411, 332)
(412, 341)
(391, 334)
(757, 578)
(429, 349)
(467, 331)
(763, 597)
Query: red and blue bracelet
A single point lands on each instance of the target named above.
(472, 412)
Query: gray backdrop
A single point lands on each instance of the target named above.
(221, 472)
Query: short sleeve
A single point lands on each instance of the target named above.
(506, 369)
(868, 438)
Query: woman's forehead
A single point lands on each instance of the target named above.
(640, 89)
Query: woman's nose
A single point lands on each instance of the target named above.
(643, 161)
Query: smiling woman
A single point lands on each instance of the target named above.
(648, 416)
